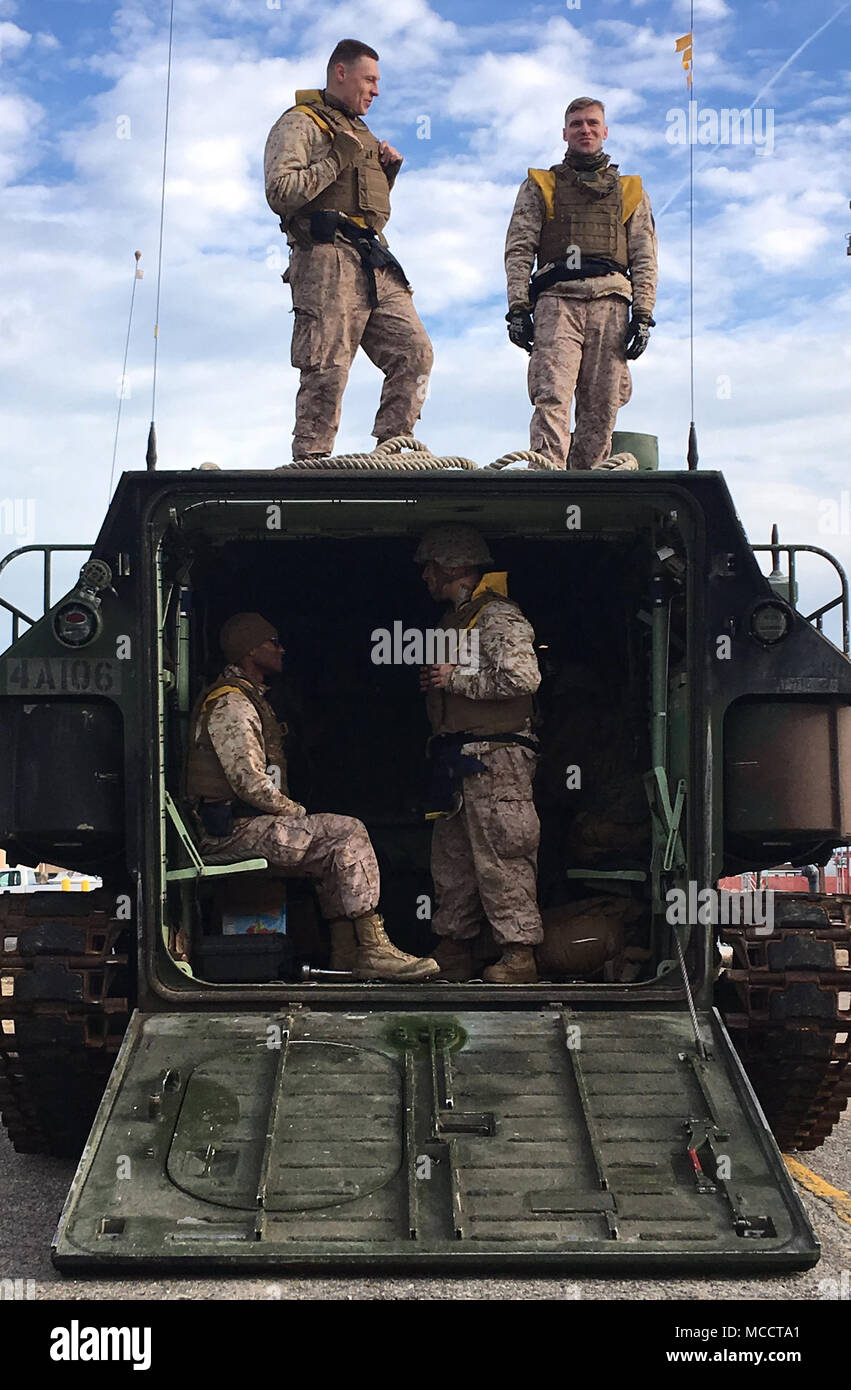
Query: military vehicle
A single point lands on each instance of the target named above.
(237, 1104)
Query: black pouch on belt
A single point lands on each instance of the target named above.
(323, 226)
(216, 818)
(449, 766)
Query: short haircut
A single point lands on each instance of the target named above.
(348, 51)
(580, 103)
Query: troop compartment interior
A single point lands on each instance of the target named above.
(336, 575)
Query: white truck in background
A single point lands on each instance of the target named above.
(24, 880)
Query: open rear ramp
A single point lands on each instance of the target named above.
(553, 1138)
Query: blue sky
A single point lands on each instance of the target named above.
(81, 110)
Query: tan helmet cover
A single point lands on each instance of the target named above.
(453, 545)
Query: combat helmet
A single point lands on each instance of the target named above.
(453, 545)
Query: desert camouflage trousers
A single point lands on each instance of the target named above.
(484, 857)
(333, 318)
(334, 851)
(579, 348)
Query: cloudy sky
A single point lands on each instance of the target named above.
(82, 87)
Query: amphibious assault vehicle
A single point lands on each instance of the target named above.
(237, 1104)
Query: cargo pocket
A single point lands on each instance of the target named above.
(306, 348)
(515, 828)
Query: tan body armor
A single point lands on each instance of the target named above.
(586, 212)
(204, 774)
(454, 714)
(361, 190)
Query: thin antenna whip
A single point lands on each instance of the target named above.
(151, 456)
(137, 275)
(692, 432)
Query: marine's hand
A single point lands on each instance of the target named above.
(435, 677)
(638, 335)
(387, 155)
(521, 329)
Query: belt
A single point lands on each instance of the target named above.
(438, 742)
(217, 817)
(450, 765)
(559, 271)
(324, 226)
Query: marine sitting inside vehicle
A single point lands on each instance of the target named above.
(237, 786)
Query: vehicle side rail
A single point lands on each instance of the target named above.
(841, 599)
(18, 615)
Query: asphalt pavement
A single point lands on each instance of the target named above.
(33, 1191)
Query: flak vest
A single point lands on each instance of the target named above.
(588, 211)
(204, 773)
(454, 714)
(361, 190)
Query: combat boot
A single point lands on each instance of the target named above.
(344, 946)
(455, 959)
(516, 967)
(377, 958)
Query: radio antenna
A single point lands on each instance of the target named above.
(691, 454)
(137, 275)
(151, 454)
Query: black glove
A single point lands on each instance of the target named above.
(521, 329)
(638, 335)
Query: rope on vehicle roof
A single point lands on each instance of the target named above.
(401, 453)
(525, 456)
(409, 454)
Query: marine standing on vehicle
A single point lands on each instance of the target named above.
(485, 842)
(329, 179)
(236, 781)
(591, 230)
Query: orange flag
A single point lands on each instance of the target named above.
(685, 46)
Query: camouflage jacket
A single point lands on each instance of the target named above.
(500, 681)
(506, 664)
(521, 245)
(299, 163)
(236, 734)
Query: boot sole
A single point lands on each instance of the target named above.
(409, 977)
(529, 980)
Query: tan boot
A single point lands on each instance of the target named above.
(378, 959)
(517, 967)
(455, 959)
(344, 946)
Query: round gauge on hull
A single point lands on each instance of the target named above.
(76, 623)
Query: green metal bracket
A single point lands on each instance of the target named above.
(199, 869)
(674, 826)
(666, 815)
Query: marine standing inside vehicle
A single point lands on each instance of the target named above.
(486, 830)
(236, 781)
(591, 231)
(328, 178)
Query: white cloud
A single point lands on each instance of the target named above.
(704, 9)
(19, 121)
(226, 390)
(780, 236)
(12, 40)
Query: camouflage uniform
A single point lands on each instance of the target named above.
(484, 855)
(333, 316)
(335, 851)
(580, 327)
